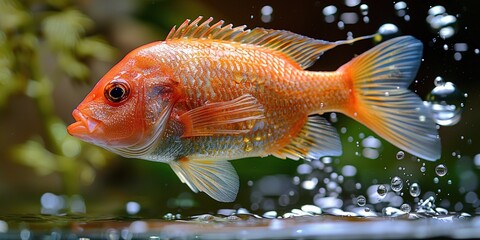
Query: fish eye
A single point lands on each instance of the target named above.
(117, 91)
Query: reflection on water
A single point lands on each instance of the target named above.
(298, 223)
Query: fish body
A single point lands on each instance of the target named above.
(209, 94)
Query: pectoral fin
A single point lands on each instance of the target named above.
(222, 117)
(218, 179)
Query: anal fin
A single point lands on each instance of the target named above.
(316, 139)
(217, 178)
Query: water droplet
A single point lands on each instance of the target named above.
(329, 10)
(396, 184)
(382, 190)
(309, 184)
(406, 208)
(446, 102)
(371, 142)
(401, 8)
(423, 169)
(460, 47)
(415, 190)
(436, 10)
(352, 3)
(333, 117)
(449, 181)
(132, 207)
(400, 155)
(439, 81)
(364, 9)
(361, 201)
(349, 18)
(457, 56)
(387, 31)
(349, 171)
(400, 5)
(435, 180)
(266, 18)
(441, 170)
(266, 10)
(329, 13)
(476, 160)
(304, 169)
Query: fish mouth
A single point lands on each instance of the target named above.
(83, 126)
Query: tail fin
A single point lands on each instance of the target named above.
(382, 102)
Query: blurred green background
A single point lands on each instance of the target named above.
(53, 52)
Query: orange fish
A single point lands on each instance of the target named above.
(213, 93)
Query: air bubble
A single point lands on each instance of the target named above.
(400, 155)
(352, 3)
(364, 9)
(396, 184)
(401, 8)
(361, 201)
(406, 208)
(266, 10)
(387, 31)
(446, 102)
(476, 160)
(441, 170)
(460, 47)
(439, 81)
(436, 10)
(329, 13)
(414, 190)
(266, 13)
(382, 190)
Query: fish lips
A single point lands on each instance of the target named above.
(84, 126)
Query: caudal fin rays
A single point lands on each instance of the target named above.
(382, 101)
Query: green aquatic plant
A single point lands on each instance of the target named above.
(56, 31)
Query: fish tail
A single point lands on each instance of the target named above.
(381, 101)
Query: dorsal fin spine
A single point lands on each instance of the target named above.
(301, 50)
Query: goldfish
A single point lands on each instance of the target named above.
(211, 92)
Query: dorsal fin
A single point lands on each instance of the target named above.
(300, 49)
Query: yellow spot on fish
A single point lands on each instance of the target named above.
(238, 77)
(248, 146)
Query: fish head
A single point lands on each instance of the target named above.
(124, 109)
